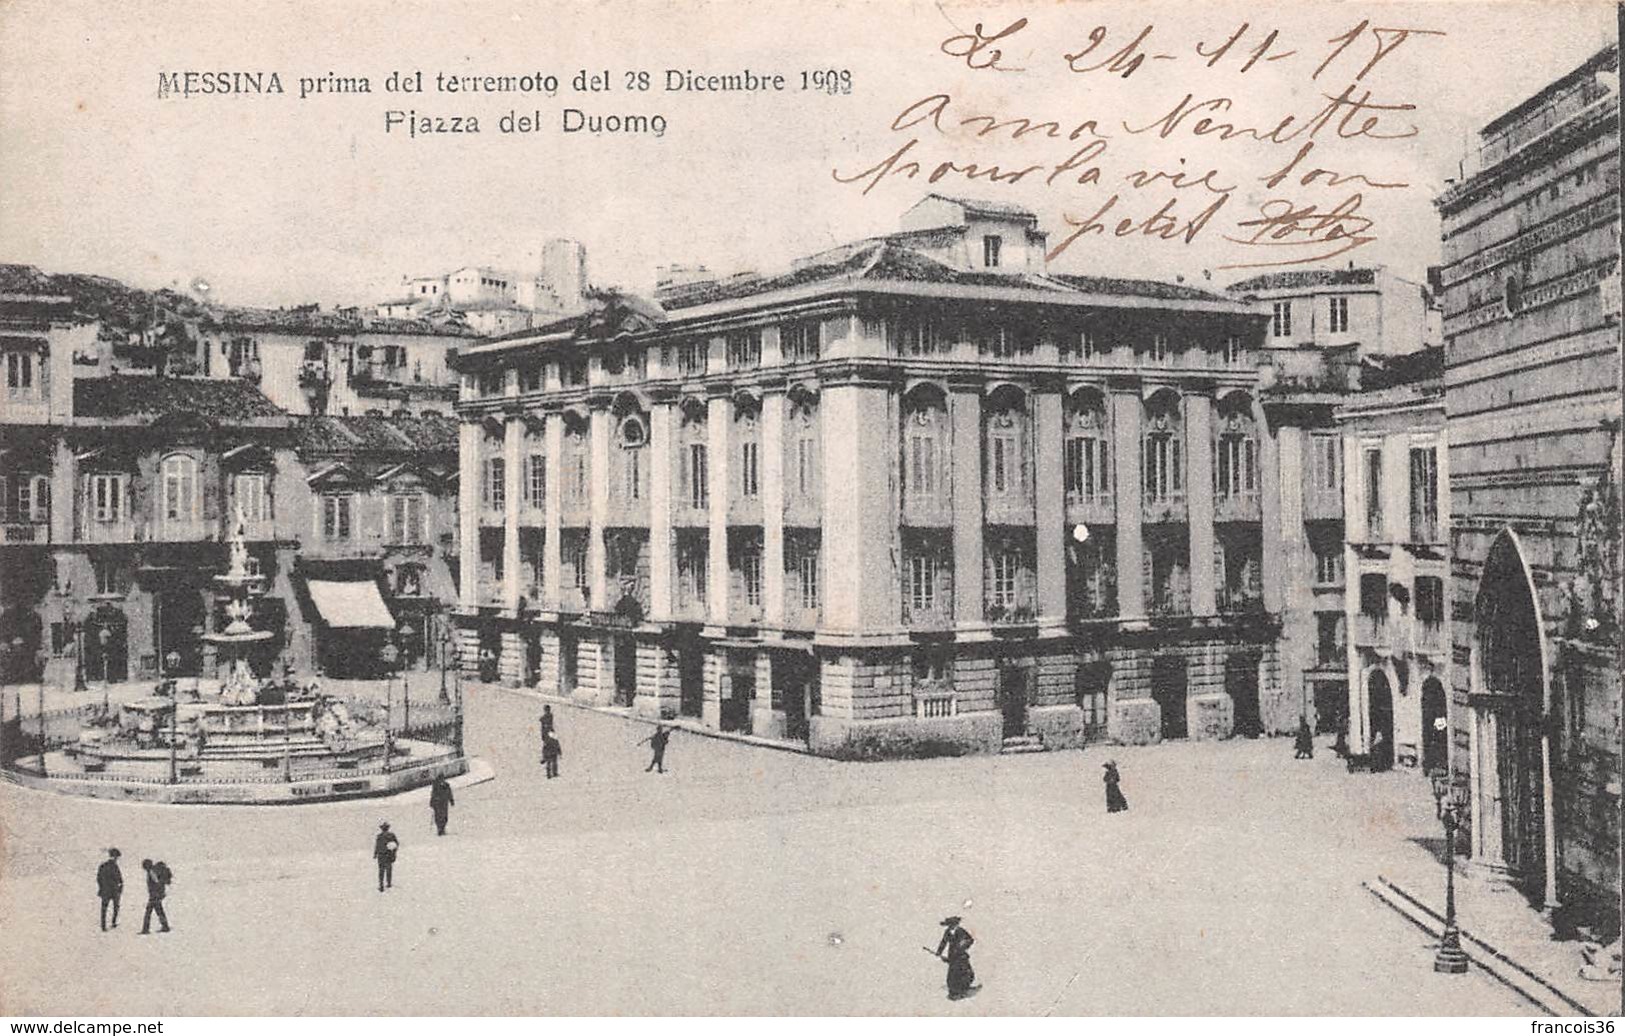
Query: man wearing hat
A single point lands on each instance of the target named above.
(383, 850)
(110, 885)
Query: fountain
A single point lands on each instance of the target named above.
(243, 739)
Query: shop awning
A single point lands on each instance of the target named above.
(351, 605)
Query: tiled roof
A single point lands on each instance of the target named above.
(133, 395)
(402, 434)
(1137, 287)
(979, 207)
(304, 319)
(1293, 279)
(1417, 369)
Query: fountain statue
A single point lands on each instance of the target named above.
(241, 687)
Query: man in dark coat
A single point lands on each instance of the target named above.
(955, 949)
(1115, 802)
(440, 803)
(547, 720)
(657, 744)
(384, 848)
(1304, 744)
(158, 879)
(110, 885)
(551, 751)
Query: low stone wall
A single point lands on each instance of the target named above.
(1058, 726)
(259, 793)
(905, 737)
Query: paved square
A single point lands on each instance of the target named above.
(748, 881)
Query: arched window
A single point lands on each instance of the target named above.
(1235, 466)
(180, 488)
(1087, 463)
(1005, 471)
(925, 433)
(748, 448)
(633, 435)
(694, 456)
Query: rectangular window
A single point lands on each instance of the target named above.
(1234, 354)
(800, 341)
(1374, 596)
(1424, 495)
(691, 357)
(1328, 563)
(750, 573)
(991, 244)
(922, 583)
(578, 473)
(1236, 472)
(1086, 345)
(748, 481)
(492, 383)
(573, 373)
(180, 489)
(575, 562)
(632, 474)
(1085, 467)
(1281, 319)
(922, 464)
(745, 349)
(1159, 349)
(406, 518)
(536, 481)
(920, 336)
(1164, 468)
(530, 378)
(336, 517)
(1430, 600)
(699, 477)
(1005, 566)
(1002, 463)
(107, 498)
(1329, 642)
(109, 577)
(691, 570)
(1338, 321)
(249, 496)
(20, 373)
(1373, 491)
(807, 578)
(1326, 456)
(496, 484)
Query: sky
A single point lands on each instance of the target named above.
(273, 199)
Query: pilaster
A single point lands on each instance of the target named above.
(659, 452)
(965, 413)
(598, 497)
(513, 437)
(552, 513)
(1127, 410)
(468, 515)
(1199, 502)
(1050, 502)
(772, 461)
(860, 526)
(718, 423)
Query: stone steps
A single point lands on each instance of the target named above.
(1021, 744)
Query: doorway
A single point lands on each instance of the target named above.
(179, 626)
(1380, 718)
(691, 679)
(569, 663)
(626, 669)
(1241, 684)
(107, 646)
(797, 676)
(741, 689)
(1169, 691)
(1011, 691)
(1435, 726)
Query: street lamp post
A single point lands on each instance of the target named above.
(1450, 799)
(172, 662)
(445, 648)
(77, 627)
(407, 633)
(104, 636)
(389, 653)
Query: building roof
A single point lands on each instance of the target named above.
(1606, 59)
(1419, 369)
(394, 434)
(982, 207)
(1289, 280)
(311, 320)
(1137, 287)
(145, 395)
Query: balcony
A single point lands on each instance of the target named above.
(935, 702)
(108, 532)
(1098, 509)
(928, 620)
(180, 530)
(1018, 613)
(262, 530)
(313, 374)
(1156, 510)
(25, 531)
(1238, 507)
(1429, 637)
(927, 510)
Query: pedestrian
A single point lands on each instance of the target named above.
(547, 721)
(657, 744)
(955, 949)
(1115, 802)
(1304, 744)
(1340, 747)
(440, 803)
(110, 885)
(550, 755)
(1378, 757)
(384, 848)
(158, 878)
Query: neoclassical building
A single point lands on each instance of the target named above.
(915, 495)
(1532, 400)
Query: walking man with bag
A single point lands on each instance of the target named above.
(384, 848)
(158, 878)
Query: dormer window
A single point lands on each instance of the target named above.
(20, 380)
(990, 250)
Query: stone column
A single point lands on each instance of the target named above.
(513, 436)
(598, 475)
(552, 513)
(1280, 468)
(1050, 507)
(468, 515)
(771, 452)
(718, 423)
(717, 686)
(1127, 410)
(662, 419)
(1199, 502)
(965, 450)
(658, 694)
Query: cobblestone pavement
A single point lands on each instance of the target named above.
(748, 881)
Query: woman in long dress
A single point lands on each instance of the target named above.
(1115, 802)
(955, 949)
